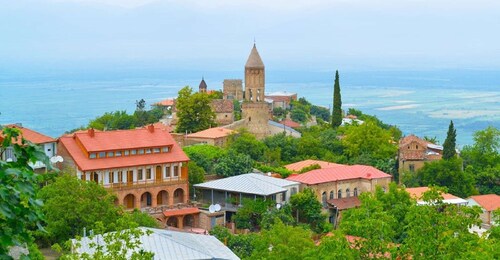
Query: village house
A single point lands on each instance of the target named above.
(281, 99)
(488, 203)
(414, 152)
(417, 192)
(224, 111)
(46, 143)
(144, 167)
(216, 136)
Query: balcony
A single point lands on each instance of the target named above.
(145, 183)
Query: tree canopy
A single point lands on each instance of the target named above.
(337, 102)
(449, 145)
(194, 111)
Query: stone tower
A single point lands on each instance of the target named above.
(203, 86)
(254, 77)
(255, 111)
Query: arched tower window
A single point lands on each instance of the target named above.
(339, 194)
(348, 193)
(323, 198)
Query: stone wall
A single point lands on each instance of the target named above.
(233, 89)
(256, 116)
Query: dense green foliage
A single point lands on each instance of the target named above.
(233, 164)
(19, 209)
(250, 215)
(337, 102)
(205, 156)
(307, 209)
(196, 174)
(449, 145)
(194, 111)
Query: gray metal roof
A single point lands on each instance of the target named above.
(166, 244)
(250, 183)
(287, 128)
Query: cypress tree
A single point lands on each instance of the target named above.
(337, 103)
(449, 144)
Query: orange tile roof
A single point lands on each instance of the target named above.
(297, 166)
(339, 173)
(180, 212)
(489, 202)
(345, 203)
(290, 123)
(412, 138)
(122, 139)
(212, 133)
(163, 126)
(166, 102)
(417, 192)
(30, 135)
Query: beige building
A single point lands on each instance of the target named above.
(233, 89)
(216, 136)
(414, 152)
(224, 111)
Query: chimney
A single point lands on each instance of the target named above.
(91, 132)
(151, 128)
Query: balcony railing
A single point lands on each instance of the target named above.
(145, 183)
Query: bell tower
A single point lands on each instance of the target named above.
(254, 77)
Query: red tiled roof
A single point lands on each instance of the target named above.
(417, 192)
(166, 102)
(412, 138)
(290, 123)
(297, 166)
(180, 212)
(122, 139)
(345, 203)
(489, 202)
(162, 126)
(212, 133)
(30, 135)
(222, 105)
(343, 172)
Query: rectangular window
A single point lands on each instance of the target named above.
(120, 176)
(126, 152)
(111, 176)
(141, 151)
(148, 174)
(111, 154)
(165, 149)
(83, 176)
(102, 154)
(167, 171)
(133, 152)
(156, 150)
(139, 174)
(93, 155)
(176, 171)
(118, 153)
(148, 151)
(412, 167)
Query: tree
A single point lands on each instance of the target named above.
(194, 111)
(449, 145)
(321, 112)
(337, 103)
(307, 209)
(233, 164)
(18, 208)
(272, 216)
(332, 247)
(250, 215)
(196, 174)
(246, 143)
(72, 205)
(142, 219)
(205, 156)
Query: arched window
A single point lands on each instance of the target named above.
(323, 198)
(348, 193)
(355, 192)
(331, 194)
(339, 194)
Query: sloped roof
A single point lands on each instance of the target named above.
(166, 244)
(122, 139)
(412, 138)
(254, 61)
(297, 166)
(222, 105)
(203, 84)
(212, 133)
(290, 123)
(343, 172)
(345, 203)
(31, 135)
(180, 212)
(250, 183)
(165, 102)
(286, 128)
(489, 202)
(417, 193)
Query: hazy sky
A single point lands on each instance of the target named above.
(218, 35)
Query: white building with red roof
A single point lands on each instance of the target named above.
(488, 203)
(342, 181)
(145, 167)
(417, 193)
(47, 143)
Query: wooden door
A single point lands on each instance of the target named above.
(158, 173)
(130, 177)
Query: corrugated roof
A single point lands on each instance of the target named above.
(254, 61)
(343, 172)
(297, 166)
(166, 244)
(212, 133)
(250, 183)
(31, 135)
(489, 202)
